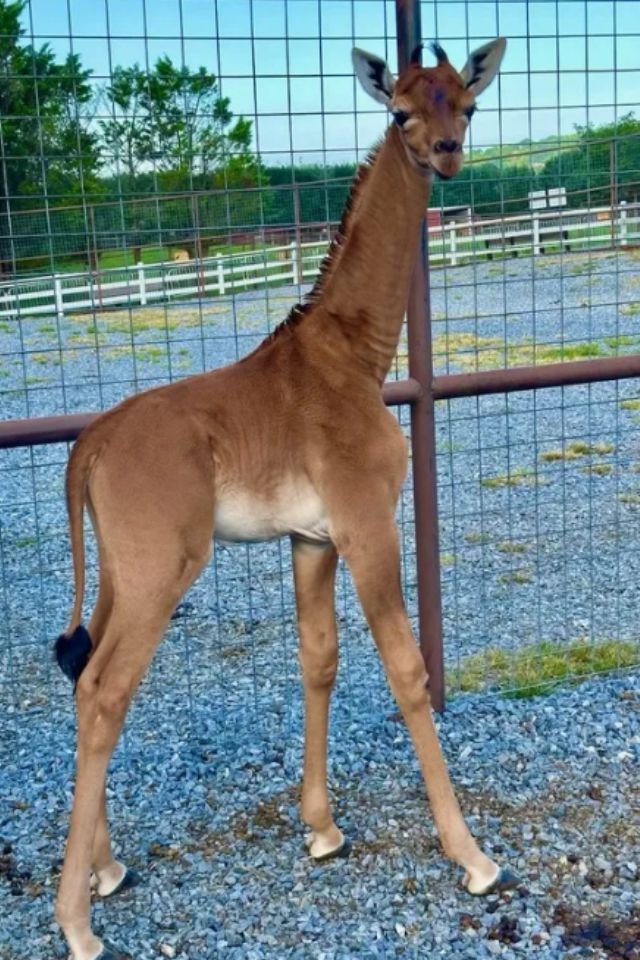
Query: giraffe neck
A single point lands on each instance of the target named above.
(366, 290)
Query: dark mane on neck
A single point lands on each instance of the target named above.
(332, 256)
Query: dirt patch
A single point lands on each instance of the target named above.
(19, 881)
(618, 938)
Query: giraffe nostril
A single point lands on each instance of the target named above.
(446, 146)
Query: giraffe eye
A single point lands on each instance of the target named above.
(469, 112)
(400, 117)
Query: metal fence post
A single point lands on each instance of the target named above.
(423, 445)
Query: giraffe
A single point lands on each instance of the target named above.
(292, 440)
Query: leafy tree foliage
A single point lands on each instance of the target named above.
(606, 160)
(46, 148)
(174, 121)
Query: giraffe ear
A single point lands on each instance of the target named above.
(374, 75)
(482, 65)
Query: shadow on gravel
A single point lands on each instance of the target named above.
(620, 939)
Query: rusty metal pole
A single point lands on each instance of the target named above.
(423, 445)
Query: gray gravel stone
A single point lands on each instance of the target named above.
(203, 787)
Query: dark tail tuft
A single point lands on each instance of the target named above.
(72, 653)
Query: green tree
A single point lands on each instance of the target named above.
(606, 161)
(174, 120)
(489, 188)
(171, 131)
(48, 154)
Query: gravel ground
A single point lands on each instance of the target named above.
(550, 785)
(204, 783)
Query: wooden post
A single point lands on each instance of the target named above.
(295, 261)
(613, 190)
(622, 222)
(93, 241)
(453, 244)
(535, 225)
(142, 285)
(297, 269)
(220, 268)
(57, 293)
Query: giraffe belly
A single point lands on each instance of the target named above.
(295, 509)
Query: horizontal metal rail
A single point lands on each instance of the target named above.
(67, 427)
(571, 373)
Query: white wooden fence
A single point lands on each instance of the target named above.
(452, 243)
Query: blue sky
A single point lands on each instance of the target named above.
(568, 61)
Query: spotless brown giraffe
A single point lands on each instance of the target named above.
(293, 440)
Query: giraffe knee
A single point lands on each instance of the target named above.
(408, 679)
(318, 658)
(113, 700)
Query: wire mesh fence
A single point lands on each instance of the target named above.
(539, 494)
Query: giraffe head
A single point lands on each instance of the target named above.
(431, 106)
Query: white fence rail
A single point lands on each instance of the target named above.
(453, 243)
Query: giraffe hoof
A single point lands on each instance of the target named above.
(505, 880)
(109, 952)
(130, 878)
(340, 853)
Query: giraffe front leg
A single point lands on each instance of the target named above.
(108, 876)
(373, 557)
(314, 575)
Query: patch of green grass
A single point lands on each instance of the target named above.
(475, 536)
(602, 447)
(447, 560)
(600, 469)
(577, 449)
(631, 499)
(633, 404)
(139, 320)
(536, 668)
(46, 328)
(42, 359)
(23, 542)
(519, 577)
(623, 340)
(570, 351)
(449, 447)
(471, 352)
(4, 327)
(516, 478)
(510, 546)
(150, 353)
(630, 309)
